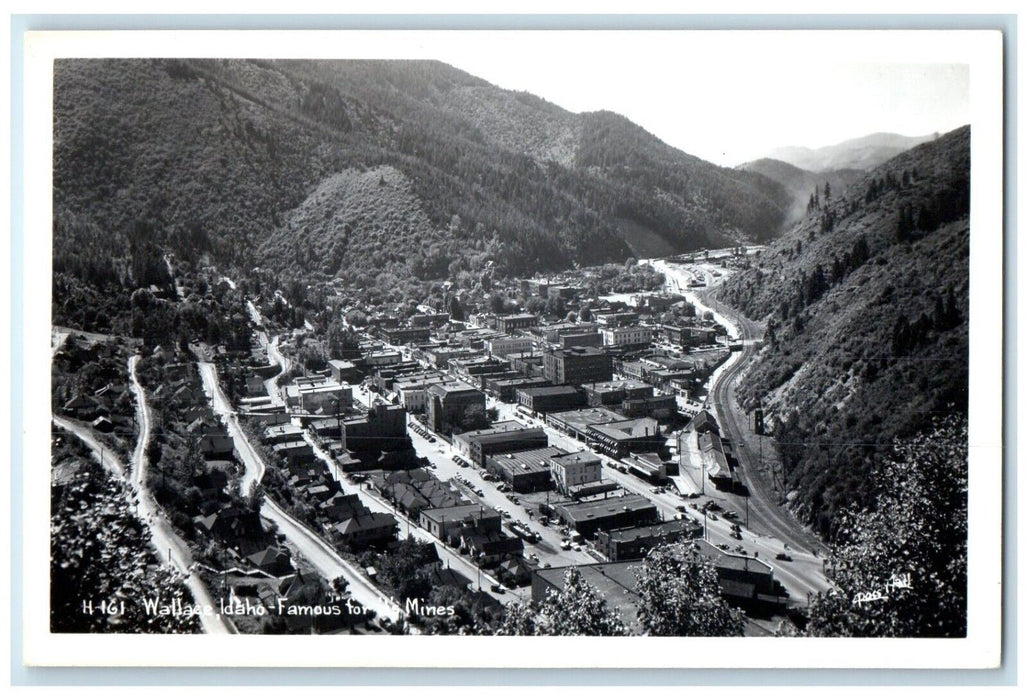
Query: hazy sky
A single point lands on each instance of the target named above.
(730, 99)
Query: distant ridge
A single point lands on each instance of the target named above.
(861, 153)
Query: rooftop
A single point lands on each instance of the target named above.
(527, 461)
(622, 430)
(580, 457)
(603, 507)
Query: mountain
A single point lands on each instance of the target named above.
(801, 184)
(866, 305)
(277, 164)
(863, 153)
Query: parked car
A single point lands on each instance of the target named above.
(782, 556)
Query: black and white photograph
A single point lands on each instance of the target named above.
(639, 334)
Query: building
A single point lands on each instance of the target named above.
(412, 390)
(506, 389)
(445, 523)
(648, 466)
(383, 427)
(656, 406)
(448, 405)
(344, 371)
(577, 423)
(578, 365)
(525, 471)
(715, 459)
(633, 435)
(614, 392)
(572, 471)
(614, 582)
(745, 581)
(382, 358)
(690, 336)
(405, 335)
(635, 542)
(627, 337)
(284, 432)
(500, 347)
(514, 322)
(589, 517)
(616, 319)
(488, 443)
(367, 530)
(543, 399)
(592, 339)
(462, 441)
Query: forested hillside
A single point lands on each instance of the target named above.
(866, 303)
(241, 163)
(802, 184)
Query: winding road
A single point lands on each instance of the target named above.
(764, 511)
(303, 540)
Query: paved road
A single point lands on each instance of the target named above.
(327, 562)
(378, 504)
(302, 538)
(252, 463)
(284, 363)
(765, 512)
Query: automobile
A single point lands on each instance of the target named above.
(565, 544)
(736, 534)
(740, 549)
(575, 546)
(533, 556)
(497, 588)
(723, 546)
(680, 509)
(479, 493)
(431, 439)
(731, 515)
(515, 500)
(547, 565)
(782, 556)
(712, 516)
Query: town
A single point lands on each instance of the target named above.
(434, 468)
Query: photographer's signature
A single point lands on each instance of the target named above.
(898, 582)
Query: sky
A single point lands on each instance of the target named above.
(728, 98)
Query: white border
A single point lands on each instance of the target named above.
(982, 50)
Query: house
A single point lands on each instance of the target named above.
(444, 523)
(102, 424)
(367, 530)
(237, 527)
(215, 446)
(274, 561)
(488, 547)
